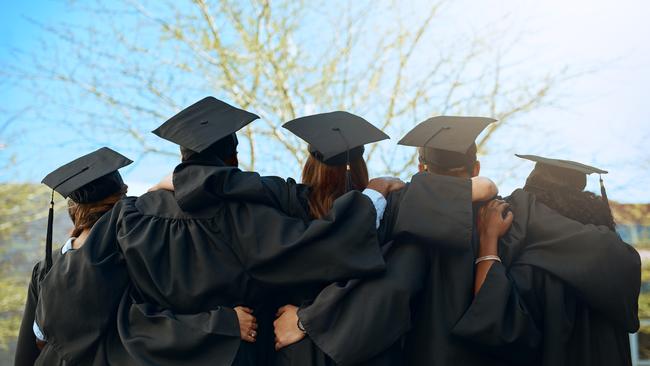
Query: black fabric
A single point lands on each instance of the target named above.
(331, 135)
(219, 151)
(26, 350)
(184, 264)
(377, 309)
(575, 285)
(448, 159)
(99, 189)
(84, 170)
(339, 159)
(448, 133)
(202, 124)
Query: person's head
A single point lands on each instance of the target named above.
(206, 131)
(83, 212)
(224, 150)
(336, 141)
(446, 144)
(562, 190)
(328, 182)
(449, 163)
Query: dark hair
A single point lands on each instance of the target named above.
(578, 205)
(85, 215)
(224, 149)
(327, 182)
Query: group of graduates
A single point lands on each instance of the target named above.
(218, 266)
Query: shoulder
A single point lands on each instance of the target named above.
(163, 204)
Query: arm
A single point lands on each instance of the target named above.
(378, 308)
(499, 320)
(492, 224)
(278, 249)
(199, 185)
(436, 209)
(155, 336)
(593, 260)
(26, 349)
(483, 189)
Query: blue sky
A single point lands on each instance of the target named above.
(601, 118)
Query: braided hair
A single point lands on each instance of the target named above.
(582, 206)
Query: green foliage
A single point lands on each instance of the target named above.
(13, 292)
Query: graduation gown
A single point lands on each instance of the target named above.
(186, 267)
(26, 350)
(362, 321)
(580, 289)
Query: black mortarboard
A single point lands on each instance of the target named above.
(204, 123)
(90, 178)
(447, 141)
(335, 138)
(564, 172)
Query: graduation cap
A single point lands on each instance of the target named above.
(335, 138)
(88, 179)
(565, 172)
(204, 123)
(447, 141)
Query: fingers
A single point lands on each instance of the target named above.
(245, 309)
(509, 218)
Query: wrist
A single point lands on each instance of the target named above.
(301, 327)
(488, 246)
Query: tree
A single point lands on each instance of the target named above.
(139, 62)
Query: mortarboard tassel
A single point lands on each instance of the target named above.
(48, 238)
(348, 173)
(603, 192)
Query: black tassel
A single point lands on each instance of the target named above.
(603, 192)
(48, 238)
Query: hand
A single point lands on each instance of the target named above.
(491, 222)
(247, 324)
(166, 183)
(285, 327)
(483, 189)
(385, 185)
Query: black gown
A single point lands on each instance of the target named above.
(380, 306)
(450, 327)
(580, 289)
(26, 350)
(156, 280)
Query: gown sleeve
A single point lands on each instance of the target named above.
(499, 321)
(153, 335)
(277, 249)
(26, 350)
(376, 309)
(592, 260)
(436, 209)
(198, 185)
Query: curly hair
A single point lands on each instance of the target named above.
(582, 206)
(85, 215)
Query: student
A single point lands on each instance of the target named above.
(187, 267)
(376, 336)
(92, 185)
(584, 313)
(435, 336)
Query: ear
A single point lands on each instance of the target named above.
(422, 168)
(477, 169)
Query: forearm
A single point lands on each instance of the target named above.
(488, 247)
